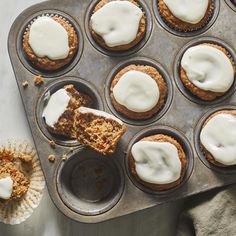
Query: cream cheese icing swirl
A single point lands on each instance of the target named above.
(156, 162)
(137, 91)
(219, 138)
(117, 22)
(208, 68)
(190, 11)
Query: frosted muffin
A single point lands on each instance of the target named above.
(118, 25)
(218, 138)
(158, 162)
(50, 42)
(59, 111)
(138, 91)
(207, 71)
(186, 15)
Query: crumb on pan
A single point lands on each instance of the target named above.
(64, 157)
(38, 80)
(51, 158)
(52, 144)
(25, 84)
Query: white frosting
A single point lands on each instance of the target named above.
(156, 162)
(219, 138)
(48, 38)
(190, 11)
(55, 107)
(208, 68)
(6, 187)
(117, 22)
(136, 91)
(104, 114)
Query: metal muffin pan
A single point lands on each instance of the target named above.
(89, 72)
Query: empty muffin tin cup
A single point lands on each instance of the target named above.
(121, 53)
(90, 183)
(177, 66)
(180, 138)
(197, 143)
(147, 62)
(33, 68)
(81, 86)
(186, 33)
(231, 4)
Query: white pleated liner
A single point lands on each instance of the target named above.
(15, 212)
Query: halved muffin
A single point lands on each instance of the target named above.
(98, 129)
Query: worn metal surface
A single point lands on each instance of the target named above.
(93, 67)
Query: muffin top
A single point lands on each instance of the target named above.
(48, 38)
(156, 162)
(117, 22)
(137, 91)
(218, 136)
(190, 11)
(208, 68)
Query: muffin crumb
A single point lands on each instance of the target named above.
(25, 84)
(38, 80)
(52, 144)
(64, 157)
(51, 158)
(25, 157)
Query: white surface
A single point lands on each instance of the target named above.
(117, 22)
(219, 138)
(156, 162)
(137, 91)
(47, 220)
(6, 187)
(49, 38)
(191, 11)
(208, 68)
(55, 107)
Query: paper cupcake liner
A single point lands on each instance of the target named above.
(17, 211)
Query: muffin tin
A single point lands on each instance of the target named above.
(91, 188)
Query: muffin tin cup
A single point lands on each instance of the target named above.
(140, 61)
(180, 138)
(197, 144)
(33, 68)
(122, 53)
(231, 4)
(81, 86)
(177, 66)
(187, 33)
(90, 183)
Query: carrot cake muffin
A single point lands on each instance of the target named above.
(218, 138)
(60, 109)
(186, 15)
(207, 71)
(118, 24)
(98, 129)
(158, 162)
(50, 42)
(138, 92)
(14, 180)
